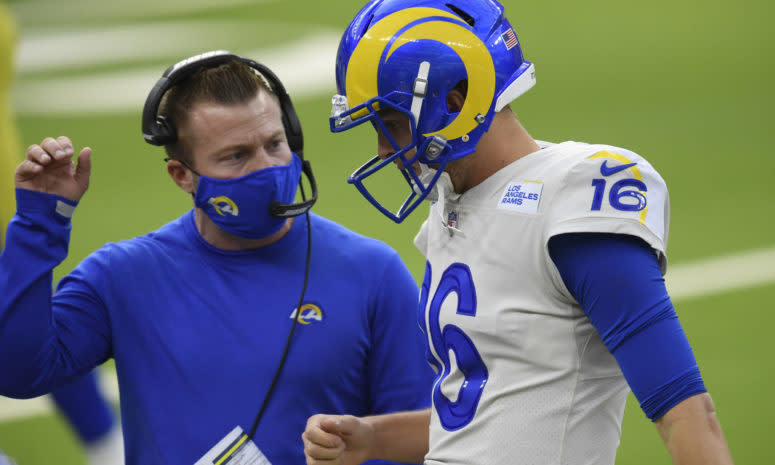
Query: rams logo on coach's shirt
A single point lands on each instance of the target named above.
(310, 313)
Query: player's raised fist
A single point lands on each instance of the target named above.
(50, 168)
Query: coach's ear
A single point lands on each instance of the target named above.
(182, 176)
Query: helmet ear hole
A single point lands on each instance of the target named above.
(457, 96)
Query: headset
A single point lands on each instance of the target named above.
(159, 130)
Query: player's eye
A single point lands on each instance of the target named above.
(390, 128)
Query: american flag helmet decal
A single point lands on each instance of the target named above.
(509, 39)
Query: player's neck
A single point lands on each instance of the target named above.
(505, 142)
(225, 240)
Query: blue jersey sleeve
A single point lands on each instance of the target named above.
(618, 283)
(45, 342)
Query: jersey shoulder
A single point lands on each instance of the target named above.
(603, 188)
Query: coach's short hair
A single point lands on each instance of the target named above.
(231, 83)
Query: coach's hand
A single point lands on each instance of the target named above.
(49, 168)
(337, 440)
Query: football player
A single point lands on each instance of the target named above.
(543, 300)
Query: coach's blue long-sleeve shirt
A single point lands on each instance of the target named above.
(197, 332)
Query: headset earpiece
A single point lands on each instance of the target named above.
(165, 131)
(293, 131)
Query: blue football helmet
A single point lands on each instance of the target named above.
(407, 55)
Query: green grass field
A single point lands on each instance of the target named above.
(688, 85)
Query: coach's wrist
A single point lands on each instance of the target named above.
(51, 205)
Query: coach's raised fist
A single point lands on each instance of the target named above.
(50, 168)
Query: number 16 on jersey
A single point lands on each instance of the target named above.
(458, 413)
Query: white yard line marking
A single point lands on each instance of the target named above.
(306, 67)
(685, 281)
(37, 12)
(721, 274)
(53, 49)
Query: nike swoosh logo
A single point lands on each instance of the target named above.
(606, 170)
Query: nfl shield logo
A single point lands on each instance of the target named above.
(452, 220)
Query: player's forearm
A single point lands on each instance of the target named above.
(692, 433)
(400, 437)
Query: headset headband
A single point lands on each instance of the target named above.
(158, 130)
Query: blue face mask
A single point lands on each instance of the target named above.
(241, 205)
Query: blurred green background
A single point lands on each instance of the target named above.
(686, 84)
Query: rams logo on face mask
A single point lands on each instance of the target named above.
(309, 313)
(411, 25)
(224, 205)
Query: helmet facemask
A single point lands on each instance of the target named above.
(418, 152)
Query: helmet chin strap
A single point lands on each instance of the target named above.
(420, 90)
(443, 188)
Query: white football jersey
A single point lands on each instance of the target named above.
(525, 378)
